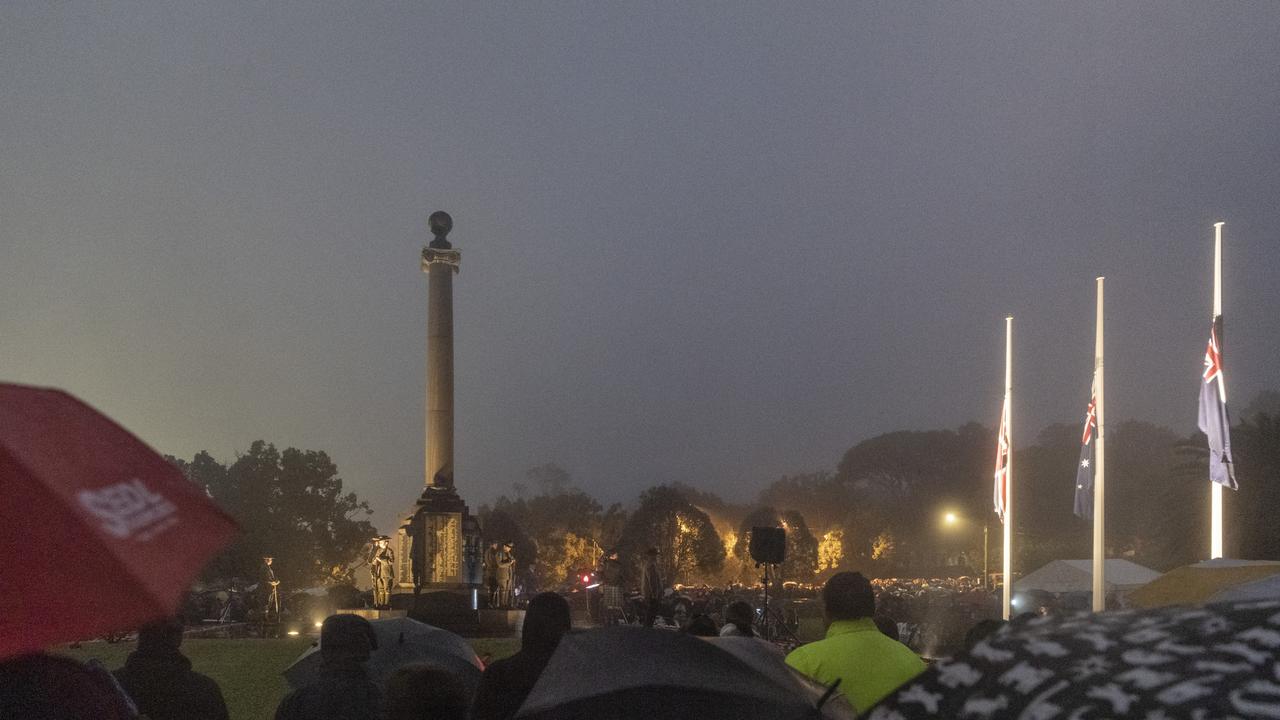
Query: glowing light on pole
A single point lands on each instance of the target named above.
(1008, 467)
(1215, 523)
(1004, 471)
(1099, 486)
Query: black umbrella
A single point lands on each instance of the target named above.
(401, 641)
(633, 672)
(1216, 661)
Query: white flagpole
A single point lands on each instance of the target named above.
(1215, 538)
(1007, 598)
(1099, 477)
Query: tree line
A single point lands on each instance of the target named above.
(879, 510)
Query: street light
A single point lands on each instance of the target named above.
(950, 518)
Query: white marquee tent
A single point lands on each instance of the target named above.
(1063, 576)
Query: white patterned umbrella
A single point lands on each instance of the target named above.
(1216, 661)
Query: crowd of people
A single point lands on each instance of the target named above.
(860, 655)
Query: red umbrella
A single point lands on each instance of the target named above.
(98, 533)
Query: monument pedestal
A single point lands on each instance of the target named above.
(373, 613)
(438, 546)
(501, 623)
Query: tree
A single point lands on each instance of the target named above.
(897, 484)
(564, 527)
(290, 506)
(689, 548)
(550, 479)
(565, 554)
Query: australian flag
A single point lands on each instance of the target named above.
(1084, 471)
(1214, 420)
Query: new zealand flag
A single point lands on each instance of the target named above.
(1084, 471)
(1214, 420)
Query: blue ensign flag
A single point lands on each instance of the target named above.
(1084, 470)
(1214, 420)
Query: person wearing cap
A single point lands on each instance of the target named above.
(491, 573)
(159, 678)
(342, 690)
(382, 562)
(867, 664)
(506, 574)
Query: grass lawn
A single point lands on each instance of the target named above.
(249, 669)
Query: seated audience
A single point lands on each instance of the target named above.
(701, 626)
(343, 690)
(423, 691)
(738, 618)
(161, 682)
(506, 683)
(867, 664)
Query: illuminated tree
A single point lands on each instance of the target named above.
(561, 557)
(689, 548)
(882, 547)
(830, 550)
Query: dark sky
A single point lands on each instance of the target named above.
(711, 244)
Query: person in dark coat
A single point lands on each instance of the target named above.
(651, 588)
(161, 682)
(506, 683)
(342, 690)
(423, 691)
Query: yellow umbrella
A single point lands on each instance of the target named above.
(1199, 583)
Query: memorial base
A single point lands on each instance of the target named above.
(501, 623)
(374, 614)
(448, 609)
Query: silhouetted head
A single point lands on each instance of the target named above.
(741, 614)
(546, 620)
(347, 637)
(848, 596)
(161, 636)
(702, 626)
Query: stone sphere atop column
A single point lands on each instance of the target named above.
(440, 223)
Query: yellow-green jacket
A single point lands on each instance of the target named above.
(868, 664)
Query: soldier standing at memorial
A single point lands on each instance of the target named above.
(491, 573)
(382, 571)
(506, 566)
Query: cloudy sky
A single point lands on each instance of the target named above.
(702, 242)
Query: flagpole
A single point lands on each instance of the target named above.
(1215, 537)
(1099, 482)
(1007, 597)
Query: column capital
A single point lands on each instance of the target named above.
(431, 256)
